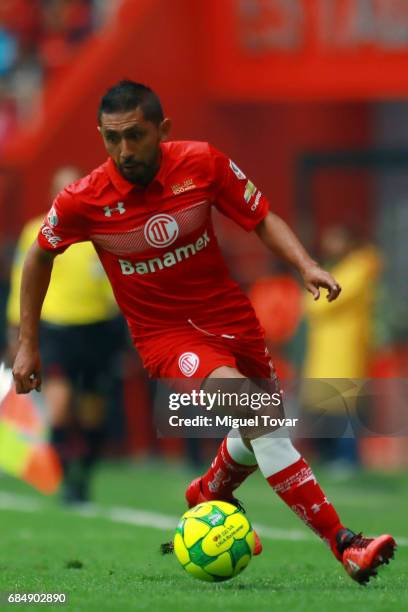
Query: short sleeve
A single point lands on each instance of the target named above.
(235, 195)
(63, 225)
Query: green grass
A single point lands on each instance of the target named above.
(120, 567)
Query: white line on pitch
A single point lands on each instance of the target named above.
(145, 518)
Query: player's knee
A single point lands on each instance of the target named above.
(58, 398)
(91, 410)
(225, 372)
(274, 454)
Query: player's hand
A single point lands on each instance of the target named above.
(315, 278)
(27, 369)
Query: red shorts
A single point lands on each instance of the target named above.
(196, 353)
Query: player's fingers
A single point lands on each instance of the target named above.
(35, 381)
(38, 382)
(25, 383)
(17, 386)
(313, 290)
(334, 291)
(22, 385)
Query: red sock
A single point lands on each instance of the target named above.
(296, 485)
(224, 475)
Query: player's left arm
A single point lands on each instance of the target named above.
(281, 240)
(239, 199)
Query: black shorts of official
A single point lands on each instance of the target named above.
(86, 355)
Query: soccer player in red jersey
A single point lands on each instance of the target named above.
(147, 210)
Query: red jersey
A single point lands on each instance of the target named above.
(157, 244)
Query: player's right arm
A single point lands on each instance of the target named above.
(63, 226)
(34, 285)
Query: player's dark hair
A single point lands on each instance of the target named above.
(128, 95)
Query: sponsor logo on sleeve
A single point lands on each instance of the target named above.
(49, 235)
(53, 217)
(256, 202)
(238, 173)
(250, 190)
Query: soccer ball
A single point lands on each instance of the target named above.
(214, 541)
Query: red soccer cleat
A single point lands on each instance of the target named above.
(362, 556)
(194, 496)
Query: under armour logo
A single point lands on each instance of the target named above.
(352, 565)
(120, 208)
(316, 507)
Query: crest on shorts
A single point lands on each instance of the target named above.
(188, 363)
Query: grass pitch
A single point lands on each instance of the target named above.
(107, 557)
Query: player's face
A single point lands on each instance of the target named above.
(133, 143)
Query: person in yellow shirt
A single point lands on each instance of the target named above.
(81, 335)
(340, 334)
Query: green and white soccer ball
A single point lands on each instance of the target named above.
(214, 541)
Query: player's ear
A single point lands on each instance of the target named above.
(165, 128)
